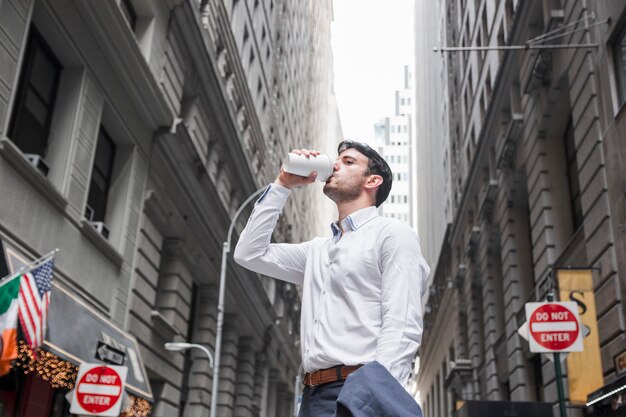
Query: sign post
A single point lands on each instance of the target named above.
(99, 390)
(554, 327)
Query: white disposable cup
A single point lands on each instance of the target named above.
(303, 166)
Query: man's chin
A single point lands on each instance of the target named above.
(328, 190)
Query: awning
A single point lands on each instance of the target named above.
(605, 396)
(76, 330)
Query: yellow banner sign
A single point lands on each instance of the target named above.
(584, 369)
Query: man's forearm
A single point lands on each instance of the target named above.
(254, 250)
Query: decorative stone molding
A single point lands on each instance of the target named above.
(223, 66)
(487, 199)
(506, 148)
(242, 121)
(461, 272)
(215, 161)
(231, 91)
(471, 242)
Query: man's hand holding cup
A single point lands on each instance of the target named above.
(303, 167)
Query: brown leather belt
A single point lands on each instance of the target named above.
(336, 373)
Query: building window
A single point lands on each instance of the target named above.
(101, 178)
(129, 13)
(246, 35)
(501, 42)
(572, 177)
(37, 91)
(619, 53)
(509, 13)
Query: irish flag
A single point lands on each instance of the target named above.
(9, 294)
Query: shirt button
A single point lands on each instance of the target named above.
(323, 292)
(315, 320)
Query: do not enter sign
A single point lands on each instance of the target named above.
(554, 327)
(99, 390)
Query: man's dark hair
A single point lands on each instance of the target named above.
(376, 166)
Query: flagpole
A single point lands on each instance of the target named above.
(42, 259)
(31, 265)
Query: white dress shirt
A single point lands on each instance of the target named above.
(361, 290)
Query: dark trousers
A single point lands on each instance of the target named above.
(320, 401)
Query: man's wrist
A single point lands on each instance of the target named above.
(278, 181)
(279, 186)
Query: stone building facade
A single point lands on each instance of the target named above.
(131, 132)
(534, 157)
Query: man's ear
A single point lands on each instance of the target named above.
(373, 181)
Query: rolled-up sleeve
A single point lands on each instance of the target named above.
(254, 250)
(404, 276)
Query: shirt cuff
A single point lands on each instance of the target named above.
(275, 193)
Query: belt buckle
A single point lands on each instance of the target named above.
(308, 379)
(319, 379)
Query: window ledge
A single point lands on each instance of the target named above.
(162, 326)
(15, 157)
(102, 244)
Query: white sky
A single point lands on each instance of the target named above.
(372, 40)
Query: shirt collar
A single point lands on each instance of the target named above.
(354, 220)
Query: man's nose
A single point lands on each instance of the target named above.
(336, 165)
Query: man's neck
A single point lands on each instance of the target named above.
(347, 208)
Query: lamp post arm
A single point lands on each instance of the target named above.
(238, 212)
(220, 304)
(207, 352)
(183, 346)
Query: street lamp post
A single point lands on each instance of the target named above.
(220, 303)
(296, 392)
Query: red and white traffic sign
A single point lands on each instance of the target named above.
(554, 327)
(99, 390)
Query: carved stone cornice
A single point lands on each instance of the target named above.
(506, 147)
(233, 79)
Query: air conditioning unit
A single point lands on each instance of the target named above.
(89, 213)
(38, 162)
(101, 228)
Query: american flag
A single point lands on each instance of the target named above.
(33, 302)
